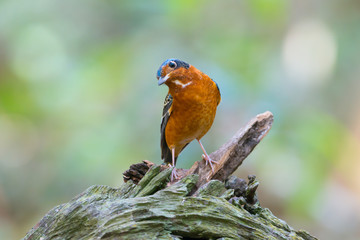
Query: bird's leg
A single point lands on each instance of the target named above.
(206, 157)
(174, 176)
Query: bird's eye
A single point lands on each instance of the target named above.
(172, 64)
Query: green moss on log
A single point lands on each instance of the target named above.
(152, 211)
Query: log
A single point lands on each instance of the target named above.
(201, 205)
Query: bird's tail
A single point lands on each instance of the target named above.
(167, 156)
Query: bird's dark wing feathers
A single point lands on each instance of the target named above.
(217, 89)
(165, 151)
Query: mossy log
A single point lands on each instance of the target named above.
(223, 207)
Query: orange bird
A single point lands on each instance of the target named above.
(189, 109)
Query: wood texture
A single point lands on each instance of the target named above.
(150, 210)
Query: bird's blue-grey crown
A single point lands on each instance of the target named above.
(178, 62)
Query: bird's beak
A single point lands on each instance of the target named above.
(163, 79)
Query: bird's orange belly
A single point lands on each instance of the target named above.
(187, 123)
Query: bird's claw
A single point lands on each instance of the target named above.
(174, 175)
(210, 161)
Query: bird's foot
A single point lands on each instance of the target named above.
(174, 175)
(210, 161)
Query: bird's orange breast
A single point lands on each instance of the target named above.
(193, 110)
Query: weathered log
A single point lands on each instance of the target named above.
(152, 209)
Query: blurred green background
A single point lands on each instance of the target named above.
(79, 100)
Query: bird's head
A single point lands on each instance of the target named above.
(171, 69)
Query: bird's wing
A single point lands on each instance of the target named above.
(165, 151)
(217, 86)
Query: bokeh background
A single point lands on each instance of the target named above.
(79, 100)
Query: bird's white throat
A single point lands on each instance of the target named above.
(177, 82)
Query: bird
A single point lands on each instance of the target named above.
(189, 109)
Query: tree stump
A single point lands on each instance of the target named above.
(201, 205)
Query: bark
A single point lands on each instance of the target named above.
(201, 205)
